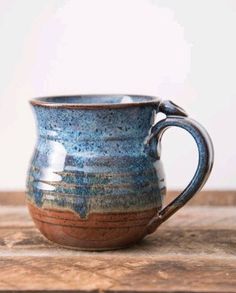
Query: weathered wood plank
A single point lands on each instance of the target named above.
(109, 274)
(12, 198)
(208, 197)
(15, 216)
(28, 241)
(194, 251)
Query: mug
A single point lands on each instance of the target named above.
(96, 181)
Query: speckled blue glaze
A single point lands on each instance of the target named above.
(95, 160)
(97, 155)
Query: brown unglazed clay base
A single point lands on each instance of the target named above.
(99, 231)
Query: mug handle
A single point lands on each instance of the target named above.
(176, 116)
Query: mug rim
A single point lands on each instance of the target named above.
(47, 101)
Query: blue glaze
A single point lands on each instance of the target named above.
(99, 154)
(94, 160)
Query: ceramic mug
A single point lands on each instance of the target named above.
(96, 180)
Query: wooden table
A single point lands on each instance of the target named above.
(195, 251)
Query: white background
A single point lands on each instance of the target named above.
(183, 50)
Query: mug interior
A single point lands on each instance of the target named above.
(94, 100)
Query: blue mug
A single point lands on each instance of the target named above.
(96, 180)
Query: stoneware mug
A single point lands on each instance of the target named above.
(96, 180)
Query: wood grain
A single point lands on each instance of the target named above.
(105, 274)
(194, 251)
(187, 242)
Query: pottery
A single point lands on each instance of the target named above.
(96, 180)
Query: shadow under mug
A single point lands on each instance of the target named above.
(96, 180)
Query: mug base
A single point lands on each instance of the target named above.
(95, 249)
(99, 232)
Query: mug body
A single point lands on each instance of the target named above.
(92, 183)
